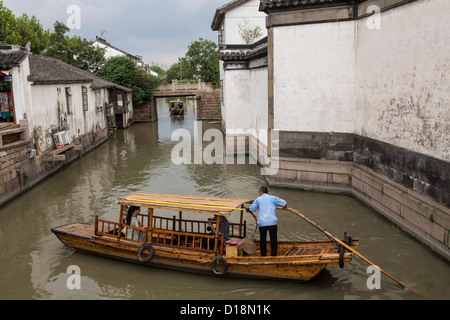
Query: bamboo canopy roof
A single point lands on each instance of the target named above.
(204, 205)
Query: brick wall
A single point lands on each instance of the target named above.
(20, 169)
(209, 106)
(14, 167)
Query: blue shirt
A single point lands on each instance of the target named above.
(267, 206)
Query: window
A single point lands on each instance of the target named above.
(84, 90)
(69, 100)
(120, 100)
(222, 36)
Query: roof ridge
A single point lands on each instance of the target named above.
(50, 70)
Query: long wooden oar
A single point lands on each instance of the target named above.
(330, 236)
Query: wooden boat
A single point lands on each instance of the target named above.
(169, 240)
(176, 108)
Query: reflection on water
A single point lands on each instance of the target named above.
(34, 263)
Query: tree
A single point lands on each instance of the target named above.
(59, 47)
(22, 30)
(158, 70)
(124, 71)
(31, 30)
(203, 59)
(249, 33)
(8, 30)
(181, 70)
(74, 50)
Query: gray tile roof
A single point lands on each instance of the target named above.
(11, 56)
(268, 5)
(47, 70)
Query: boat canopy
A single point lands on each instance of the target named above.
(204, 205)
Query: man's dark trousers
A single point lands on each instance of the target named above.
(273, 232)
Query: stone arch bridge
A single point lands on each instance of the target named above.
(208, 100)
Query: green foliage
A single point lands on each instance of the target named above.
(74, 50)
(249, 33)
(203, 58)
(200, 63)
(181, 71)
(22, 30)
(124, 71)
(158, 70)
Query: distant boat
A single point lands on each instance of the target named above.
(176, 108)
(167, 241)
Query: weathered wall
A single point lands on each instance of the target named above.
(20, 172)
(14, 168)
(314, 79)
(249, 11)
(209, 106)
(372, 115)
(22, 94)
(403, 77)
(246, 115)
(146, 112)
(48, 113)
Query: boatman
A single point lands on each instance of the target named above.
(267, 219)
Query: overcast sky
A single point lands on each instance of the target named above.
(158, 30)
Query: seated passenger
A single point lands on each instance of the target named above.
(224, 228)
(133, 221)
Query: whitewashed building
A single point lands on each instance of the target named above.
(51, 96)
(358, 91)
(243, 73)
(112, 51)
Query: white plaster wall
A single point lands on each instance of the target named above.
(259, 102)
(249, 11)
(314, 77)
(109, 52)
(403, 76)
(246, 111)
(237, 104)
(48, 113)
(223, 95)
(21, 89)
(246, 93)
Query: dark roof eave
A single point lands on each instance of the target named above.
(113, 86)
(220, 12)
(269, 6)
(46, 70)
(53, 82)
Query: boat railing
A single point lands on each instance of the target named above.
(237, 230)
(116, 230)
(106, 228)
(185, 240)
(162, 237)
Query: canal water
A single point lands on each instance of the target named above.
(34, 264)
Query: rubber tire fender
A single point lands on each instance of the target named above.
(149, 247)
(220, 260)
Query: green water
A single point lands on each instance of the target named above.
(33, 263)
